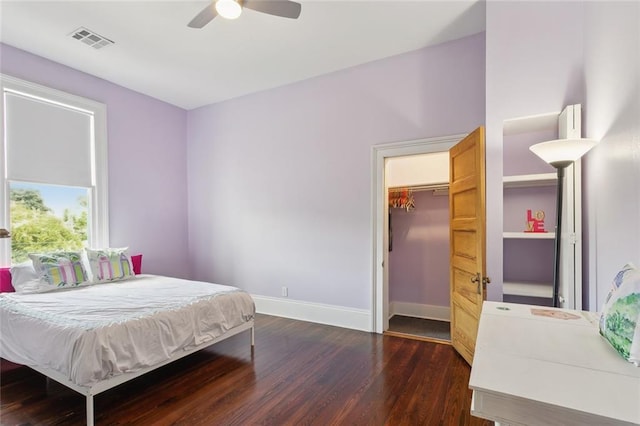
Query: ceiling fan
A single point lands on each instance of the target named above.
(231, 9)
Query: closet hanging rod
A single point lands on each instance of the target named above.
(416, 188)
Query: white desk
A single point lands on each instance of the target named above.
(539, 370)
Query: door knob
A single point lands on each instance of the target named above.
(480, 280)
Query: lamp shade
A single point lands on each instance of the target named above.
(562, 152)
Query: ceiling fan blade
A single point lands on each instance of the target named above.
(283, 8)
(204, 17)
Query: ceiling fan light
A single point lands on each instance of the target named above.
(229, 9)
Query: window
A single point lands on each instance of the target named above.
(54, 171)
(46, 218)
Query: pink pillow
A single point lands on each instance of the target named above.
(5, 281)
(136, 260)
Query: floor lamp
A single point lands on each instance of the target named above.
(560, 154)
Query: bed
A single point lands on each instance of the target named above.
(94, 338)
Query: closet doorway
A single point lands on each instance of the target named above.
(418, 233)
(405, 269)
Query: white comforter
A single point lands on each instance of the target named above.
(93, 333)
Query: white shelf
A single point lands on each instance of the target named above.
(528, 181)
(530, 235)
(531, 123)
(528, 289)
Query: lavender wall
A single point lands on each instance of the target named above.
(518, 158)
(528, 260)
(612, 169)
(534, 57)
(147, 161)
(419, 261)
(280, 181)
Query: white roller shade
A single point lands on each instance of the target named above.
(47, 142)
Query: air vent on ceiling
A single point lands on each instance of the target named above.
(90, 38)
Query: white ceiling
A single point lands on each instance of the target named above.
(155, 53)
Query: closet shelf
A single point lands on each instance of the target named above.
(530, 235)
(528, 289)
(528, 181)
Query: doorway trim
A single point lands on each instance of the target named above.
(379, 216)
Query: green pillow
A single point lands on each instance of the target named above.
(620, 320)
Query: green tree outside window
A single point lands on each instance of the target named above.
(36, 229)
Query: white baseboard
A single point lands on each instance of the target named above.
(340, 316)
(417, 310)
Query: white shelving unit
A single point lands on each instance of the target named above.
(529, 235)
(530, 183)
(528, 289)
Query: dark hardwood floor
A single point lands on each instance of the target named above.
(299, 374)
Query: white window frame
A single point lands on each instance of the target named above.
(98, 232)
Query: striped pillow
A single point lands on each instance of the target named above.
(110, 264)
(59, 270)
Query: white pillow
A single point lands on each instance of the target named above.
(24, 278)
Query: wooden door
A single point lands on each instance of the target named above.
(467, 240)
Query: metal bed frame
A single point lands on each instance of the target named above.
(90, 391)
